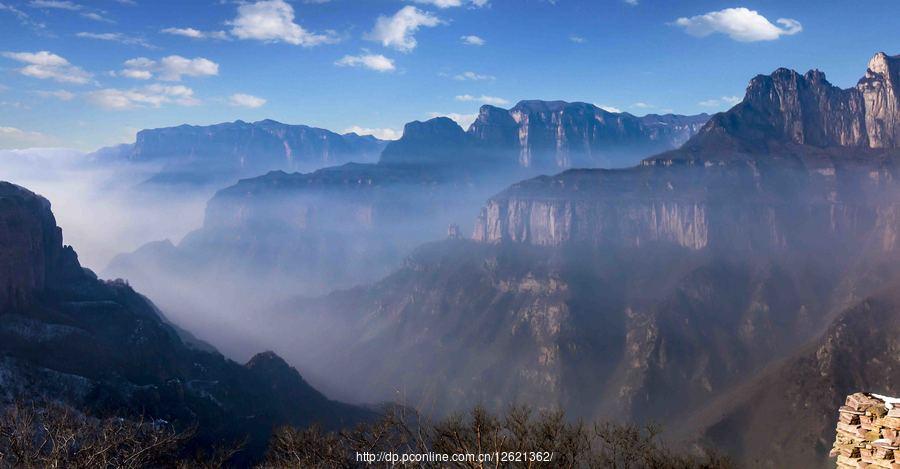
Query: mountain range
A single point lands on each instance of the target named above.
(223, 153)
(545, 136)
(539, 135)
(730, 289)
(336, 227)
(734, 287)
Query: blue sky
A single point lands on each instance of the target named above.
(83, 74)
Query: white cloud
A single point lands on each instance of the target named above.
(55, 4)
(13, 137)
(464, 120)
(472, 40)
(170, 68)
(46, 65)
(642, 105)
(23, 18)
(472, 76)
(61, 95)
(375, 62)
(577, 39)
(195, 33)
(397, 31)
(740, 24)
(246, 100)
(116, 37)
(186, 32)
(632, 2)
(136, 74)
(383, 134)
(723, 102)
(97, 17)
(273, 21)
(492, 100)
(149, 96)
(452, 3)
(609, 108)
(15, 105)
(440, 3)
(732, 100)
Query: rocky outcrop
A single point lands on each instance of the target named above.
(880, 89)
(806, 109)
(786, 107)
(33, 252)
(106, 350)
(554, 135)
(868, 432)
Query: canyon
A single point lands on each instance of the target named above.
(691, 290)
(721, 280)
(310, 233)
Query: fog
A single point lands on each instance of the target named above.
(103, 209)
(231, 271)
(286, 263)
(263, 246)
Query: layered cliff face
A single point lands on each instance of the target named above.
(554, 135)
(106, 350)
(727, 206)
(239, 149)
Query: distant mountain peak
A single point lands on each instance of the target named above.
(439, 140)
(228, 151)
(440, 124)
(533, 105)
(882, 63)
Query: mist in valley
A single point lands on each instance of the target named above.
(107, 208)
(104, 208)
(259, 249)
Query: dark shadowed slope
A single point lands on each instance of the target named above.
(789, 412)
(106, 350)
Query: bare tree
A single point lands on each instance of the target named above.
(520, 439)
(52, 435)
